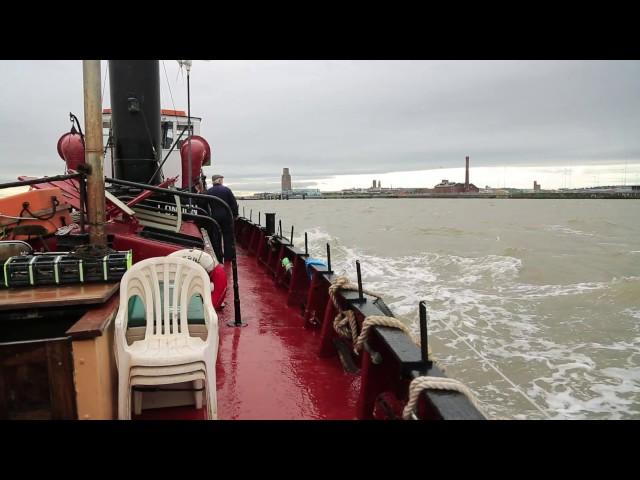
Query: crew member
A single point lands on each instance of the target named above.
(221, 214)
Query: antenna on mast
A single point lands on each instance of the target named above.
(187, 66)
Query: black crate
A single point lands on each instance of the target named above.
(43, 270)
(116, 264)
(69, 269)
(108, 268)
(17, 272)
(92, 269)
(61, 268)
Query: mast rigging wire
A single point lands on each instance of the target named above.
(488, 362)
(168, 85)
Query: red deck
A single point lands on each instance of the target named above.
(269, 369)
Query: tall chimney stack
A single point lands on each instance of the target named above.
(286, 180)
(466, 175)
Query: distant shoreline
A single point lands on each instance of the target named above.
(536, 196)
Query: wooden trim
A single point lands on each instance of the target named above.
(95, 321)
(96, 377)
(56, 296)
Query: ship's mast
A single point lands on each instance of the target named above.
(189, 125)
(93, 151)
(187, 64)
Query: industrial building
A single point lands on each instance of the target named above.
(445, 186)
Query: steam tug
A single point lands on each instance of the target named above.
(291, 338)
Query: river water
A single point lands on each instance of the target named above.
(544, 292)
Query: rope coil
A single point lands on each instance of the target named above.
(436, 383)
(66, 229)
(382, 321)
(345, 323)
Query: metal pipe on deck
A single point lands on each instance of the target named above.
(93, 151)
(189, 126)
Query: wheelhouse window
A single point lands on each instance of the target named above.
(184, 126)
(167, 135)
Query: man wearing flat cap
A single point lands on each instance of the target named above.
(221, 214)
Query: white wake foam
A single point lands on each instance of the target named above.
(505, 319)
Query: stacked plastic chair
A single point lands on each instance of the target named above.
(167, 354)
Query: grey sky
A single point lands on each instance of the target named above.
(323, 118)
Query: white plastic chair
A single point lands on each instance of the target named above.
(167, 352)
(198, 379)
(193, 372)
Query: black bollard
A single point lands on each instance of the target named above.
(424, 345)
(270, 221)
(361, 298)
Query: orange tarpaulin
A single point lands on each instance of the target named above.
(45, 207)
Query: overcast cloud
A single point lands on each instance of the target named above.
(326, 118)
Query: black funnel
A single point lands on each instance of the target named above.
(135, 119)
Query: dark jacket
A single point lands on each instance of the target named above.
(225, 193)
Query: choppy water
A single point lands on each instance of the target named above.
(547, 290)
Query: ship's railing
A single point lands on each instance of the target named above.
(390, 360)
(164, 204)
(210, 200)
(34, 181)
